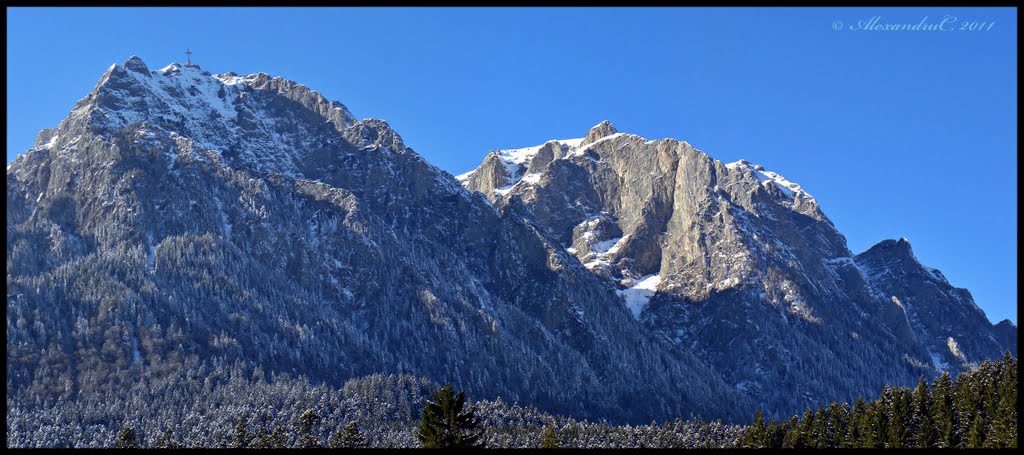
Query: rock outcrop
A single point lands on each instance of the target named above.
(741, 266)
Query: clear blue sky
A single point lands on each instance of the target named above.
(896, 133)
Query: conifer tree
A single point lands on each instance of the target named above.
(776, 434)
(756, 436)
(550, 438)
(166, 440)
(349, 438)
(241, 439)
(446, 424)
(126, 439)
(897, 417)
(854, 434)
(922, 430)
(873, 425)
(1003, 431)
(836, 423)
(818, 438)
(261, 440)
(337, 440)
(806, 439)
(792, 439)
(971, 399)
(963, 409)
(976, 410)
(277, 439)
(307, 440)
(975, 435)
(942, 411)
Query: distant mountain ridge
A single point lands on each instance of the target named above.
(178, 218)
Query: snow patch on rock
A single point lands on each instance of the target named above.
(790, 189)
(638, 295)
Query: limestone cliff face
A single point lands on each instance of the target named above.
(736, 263)
(628, 207)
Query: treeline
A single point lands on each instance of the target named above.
(977, 410)
(235, 406)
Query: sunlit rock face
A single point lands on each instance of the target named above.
(742, 267)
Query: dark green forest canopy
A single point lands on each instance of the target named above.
(977, 410)
(238, 407)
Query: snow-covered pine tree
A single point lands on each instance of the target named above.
(922, 429)
(351, 438)
(126, 439)
(550, 438)
(446, 423)
(307, 438)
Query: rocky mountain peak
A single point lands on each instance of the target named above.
(599, 131)
(256, 121)
(1006, 334)
(890, 251)
(134, 63)
(937, 311)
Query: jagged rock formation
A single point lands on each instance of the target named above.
(177, 218)
(742, 267)
(943, 318)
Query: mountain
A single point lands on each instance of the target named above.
(741, 266)
(178, 220)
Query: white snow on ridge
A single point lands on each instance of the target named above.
(790, 189)
(572, 143)
(525, 154)
(204, 107)
(204, 96)
(235, 80)
(516, 159)
(640, 294)
(580, 150)
(518, 156)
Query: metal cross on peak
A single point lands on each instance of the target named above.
(188, 57)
